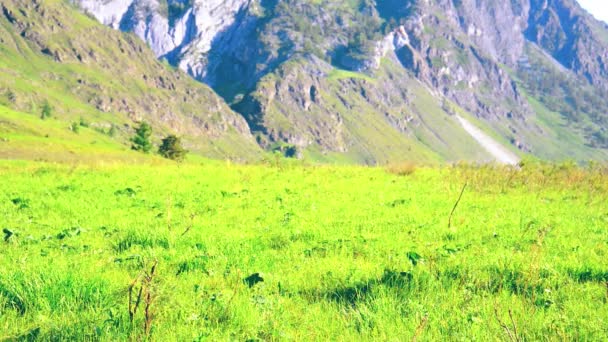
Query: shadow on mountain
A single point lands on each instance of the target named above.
(239, 57)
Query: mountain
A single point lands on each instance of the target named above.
(370, 81)
(53, 55)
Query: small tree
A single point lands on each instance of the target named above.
(75, 127)
(141, 140)
(171, 148)
(47, 110)
(112, 130)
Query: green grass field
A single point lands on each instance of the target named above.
(345, 253)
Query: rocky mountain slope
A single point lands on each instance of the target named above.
(377, 81)
(50, 53)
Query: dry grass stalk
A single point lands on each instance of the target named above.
(145, 281)
(192, 217)
(510, 331)
(421, 327)
(456, 204)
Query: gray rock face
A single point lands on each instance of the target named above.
(571, 36)
(496, 27)
(180, 31)
(459, 52)
(109, 13)
(190, 32)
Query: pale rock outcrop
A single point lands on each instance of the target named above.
(184, 40)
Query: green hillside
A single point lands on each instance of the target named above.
(26, 136)
(52, 54)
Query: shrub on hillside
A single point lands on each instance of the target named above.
(141, 140)
(171, 148)
(112, 130)
(75, 127)
(401, 169)
(46, 111)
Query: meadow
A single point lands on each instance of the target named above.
(287, 251)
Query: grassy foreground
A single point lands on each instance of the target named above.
(347, 253)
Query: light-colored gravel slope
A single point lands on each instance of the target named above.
(500, 153)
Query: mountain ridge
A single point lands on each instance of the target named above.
(379, 81)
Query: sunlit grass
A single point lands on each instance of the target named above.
(345, 253)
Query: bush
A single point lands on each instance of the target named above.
(141, 140)
(112, 130)
(286, 150)
(75, 127)
(46, 111)
(171, 148)
(401, 169)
